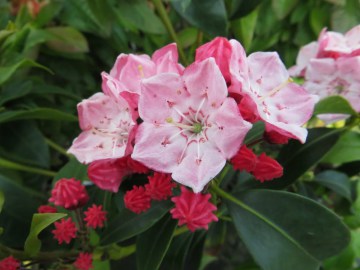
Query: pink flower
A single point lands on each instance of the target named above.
(108, 174)
(306, 53)
(267, 168)
(245, 159)
(106, 125)
(9, 263)
(193, 209)
(137, 200)
(265, 85)
(69, 193)
(190, 126)
(46, 209)
(84, 261)
(160, 186)
(65, 230)
(95, 216)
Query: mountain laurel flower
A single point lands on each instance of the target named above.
(190, 126)
(245, 159)
(65, 230)
(193, 209)
(69, 193)
(137, 200)
(9, 263)
(84, 261)
(160, 186)
(46, 209)
(274, 137)
(267, 168)
(95, 216)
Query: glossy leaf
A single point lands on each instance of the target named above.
(297, 158)
(67, 39)
(153, 244)
(208, 15)
(128, 224)
(347, 149)
(336, 181)
(287, 231)
(255, 133)
(244, 28)
(283, 7)
(14, 91)
(334, 104)
(73, 169)
(37, 113)
(242, 8)
(38, 224)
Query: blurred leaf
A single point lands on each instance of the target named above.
(24, 143)
(208, 15)
(188, 36)
(38, 224)
(242, 8)
(350, 168)
(342, 261)
(67, 39)
(48, 12)
(334, 104)
(153, 244)
(128, 224)
(244, 28)
(283, 7)
(73, 169)
(336, 181)
(347, 149)
(279, 237)
(37, 113)
(255, 133)
(297, 158)
(319, 18)
(138, 13)
(14, 90)
(101, 265)
(7, 71)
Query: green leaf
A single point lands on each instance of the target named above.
(67, 39)
(255, 133)
(153, 244)
(7, 71)
(139, 14)
(286, 231)
(198, 13)
(347, 149)
(15, 90)
(188, 36)
(319, 18)
(283, 7)
(38, 224)
(342, 261)
(37, 113)
(73, 169)
(244, 28)
(241, 8)
(2, 200)
(48, 12)
(128, 224)
(334, 104)
(297, 158)
(336, 181)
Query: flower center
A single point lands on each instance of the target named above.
(197, 128)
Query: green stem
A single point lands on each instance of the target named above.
(169, 27)
(16, 166)
(180, 230)
(57, 147)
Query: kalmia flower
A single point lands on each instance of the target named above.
(272, 136)
(267, 168)
(160, 186)
(245, 159)
(65, 230)
(137, 200)
(69, 193)
(95, 216)
(46, 209)
(190, 125)
(193, 209)
(106, 125)
(9, 263)
(84, 261)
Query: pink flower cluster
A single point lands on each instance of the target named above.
(331, 66)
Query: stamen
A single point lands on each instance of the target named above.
(198, 110)
(171, 121)
(141, 71)
(276, 89)
(184, 150)
(181, 114)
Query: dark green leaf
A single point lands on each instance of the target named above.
(336, 181)
(67, 40)
(244, 28)
(334, 104)
(286, 231)
(153, 244)
(38, 224)
(73, 169)
(283, 7)
(297, 158)
(255, 133)
(37, 113)
(15, 90)
(128, 224)
(347, 149)
(198, 13)
(48, 12)
(241, 8)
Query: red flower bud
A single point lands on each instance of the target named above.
(137, 200)
(267, 168)
(245, 159)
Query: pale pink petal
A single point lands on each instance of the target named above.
(228, 128)
(220, 49)
(157, 147)
(332, 44)
(332, 117)
(239, 70)
(290, 130)
(320, 69)
(306, 53)
(196, 173)
(204, 80)
(166, 59)
(353, 40)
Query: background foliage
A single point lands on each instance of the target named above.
(51, 56)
